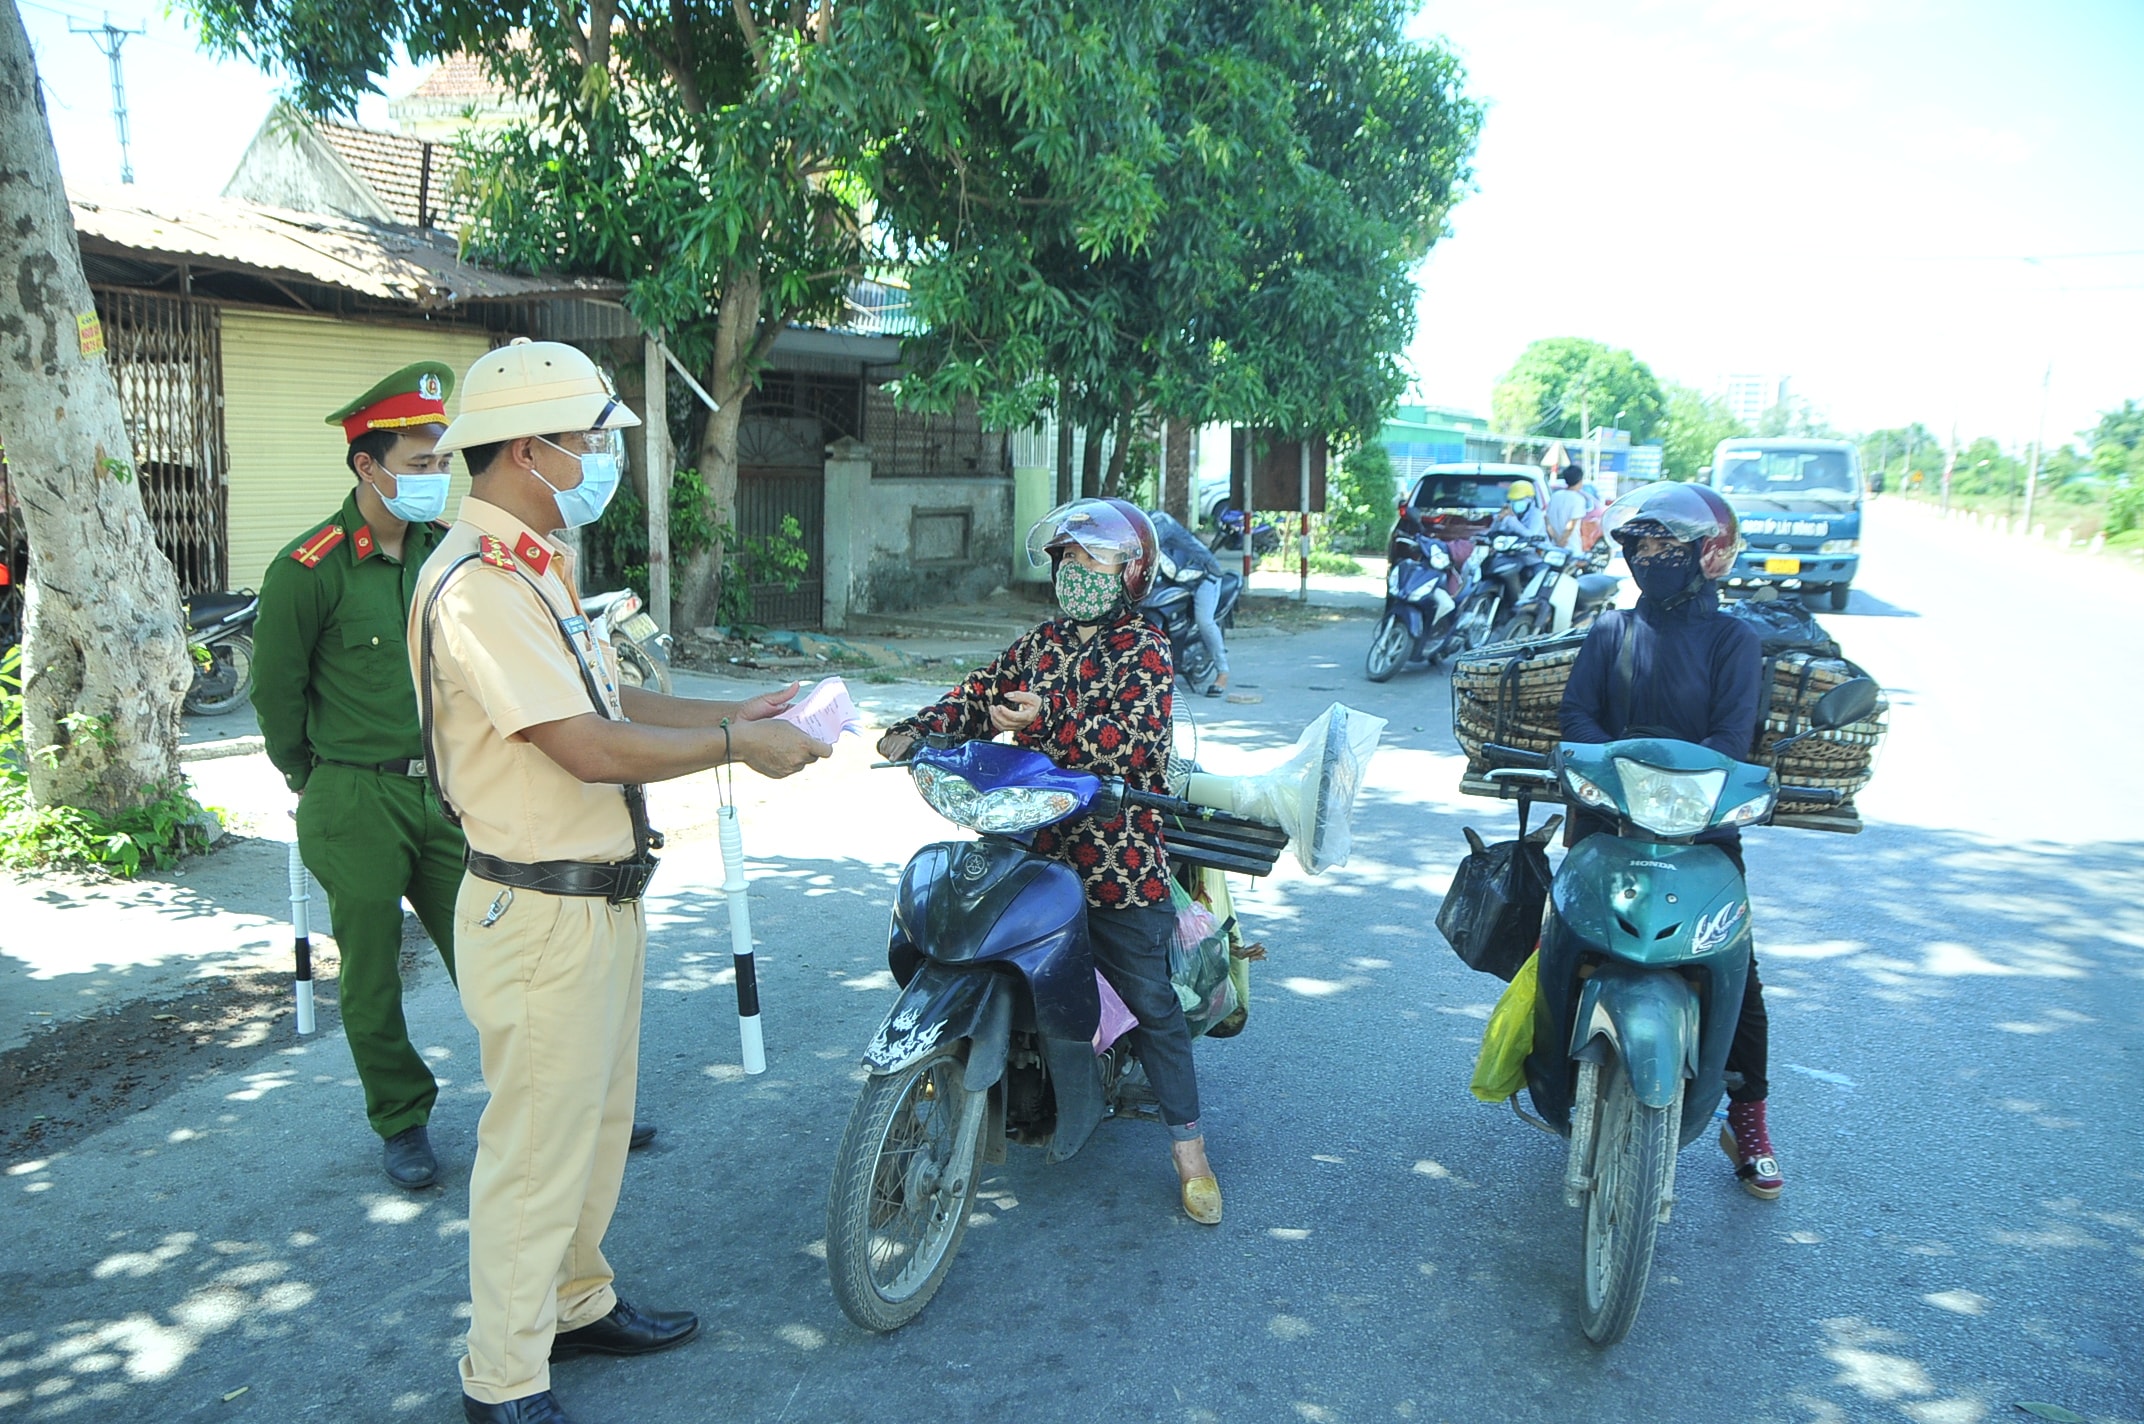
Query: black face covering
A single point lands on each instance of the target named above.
(1664, 576)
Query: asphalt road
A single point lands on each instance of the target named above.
(1956, 1064)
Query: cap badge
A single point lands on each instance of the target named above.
(428, 386)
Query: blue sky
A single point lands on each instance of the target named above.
(1842, 193)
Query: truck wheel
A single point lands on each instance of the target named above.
(1840, 593)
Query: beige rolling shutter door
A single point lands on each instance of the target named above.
(282, 374)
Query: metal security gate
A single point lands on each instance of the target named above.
(167, 359)
(765, 495)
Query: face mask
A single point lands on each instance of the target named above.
(586, 501)
(1084, 595)
(1665, 575)
(418, 499)
(1520, 506)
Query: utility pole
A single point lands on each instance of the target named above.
(109, 39)
(1950, 463)
(2039, 438)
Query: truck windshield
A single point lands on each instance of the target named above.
(1786, 472)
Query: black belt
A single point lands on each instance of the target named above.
(403, 766)
(617, 881)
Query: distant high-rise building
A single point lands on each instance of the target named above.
(1749, 397)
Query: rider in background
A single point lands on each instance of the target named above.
(1521, 513)
(1696, 675)
(1092, 692)
(1185, 559)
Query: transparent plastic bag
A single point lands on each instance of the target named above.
(1310, 794)
(1500, 1071)
(1199, 963)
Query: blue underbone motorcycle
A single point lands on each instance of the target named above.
(993, 1037)
(1644, 951)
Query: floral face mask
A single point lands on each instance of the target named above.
(1084, 595)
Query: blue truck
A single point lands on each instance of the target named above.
(1799, 505)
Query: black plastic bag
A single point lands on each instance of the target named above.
(1784, 625)
(1492, 913)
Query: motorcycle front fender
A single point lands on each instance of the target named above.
(943, 1004)
(1649, 1018)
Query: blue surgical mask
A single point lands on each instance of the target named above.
(418, 499)
(586, 501)
(1520, 506)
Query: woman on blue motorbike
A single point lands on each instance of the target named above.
(1676, 666)
(1091, 691)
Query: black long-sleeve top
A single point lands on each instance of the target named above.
(1697, 675)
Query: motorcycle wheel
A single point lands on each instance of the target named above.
(904, 1183)
(1388, 650)
(1633, 1159)
(636, 668)
(227, 681)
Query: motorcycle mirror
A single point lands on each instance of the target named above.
(1849, 702)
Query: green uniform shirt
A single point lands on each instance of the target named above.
(330, 667)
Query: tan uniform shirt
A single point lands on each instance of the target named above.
(500, 665)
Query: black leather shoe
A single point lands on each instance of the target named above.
(626, 1331)
(529, 1409)
(408, 1158)
(643, 1134)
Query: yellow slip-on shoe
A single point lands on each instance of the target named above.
(1202, 1201)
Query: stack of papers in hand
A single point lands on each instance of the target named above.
(825, 712)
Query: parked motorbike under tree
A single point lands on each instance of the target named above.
(1171, 606)
(1426, 593)
(219, 630)
(643, 649)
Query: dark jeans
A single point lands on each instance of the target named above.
(1131, 949)
(1750, 1054)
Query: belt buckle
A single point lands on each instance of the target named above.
(416, 767)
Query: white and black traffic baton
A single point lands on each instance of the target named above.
(734, 890)
(301, 900)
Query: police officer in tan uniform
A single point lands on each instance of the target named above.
(541, 752)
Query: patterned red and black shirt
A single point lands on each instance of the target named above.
(1106, 709)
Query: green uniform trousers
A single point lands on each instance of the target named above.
(373, 839)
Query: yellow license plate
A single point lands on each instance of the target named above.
(1782, 566)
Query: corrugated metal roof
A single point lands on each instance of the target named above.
(393, 264)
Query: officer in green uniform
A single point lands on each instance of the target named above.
(339, 717)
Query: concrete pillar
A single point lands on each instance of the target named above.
(1033, 489)
(846, 531)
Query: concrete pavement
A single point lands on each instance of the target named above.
(1956, 1040)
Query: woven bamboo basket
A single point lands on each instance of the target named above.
(1511, 695)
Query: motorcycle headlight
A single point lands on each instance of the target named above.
(1669, 803)
(1504, 543)
(1839, 546)
(1007, 809)
(1440, 558)
(1586, 791)
(1749, 812)
(1556, 558)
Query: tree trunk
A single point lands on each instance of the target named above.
(740, 342)
(105, 645)
(1090, 460)
(1064, 443)
(1182, 468)
(1113, 482)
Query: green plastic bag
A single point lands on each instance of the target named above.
(1501, 1070)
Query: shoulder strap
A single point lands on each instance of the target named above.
(645, 838)
(1626, 672)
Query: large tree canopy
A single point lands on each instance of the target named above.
(1562, 384)
(1692, 424)
(1288, 168)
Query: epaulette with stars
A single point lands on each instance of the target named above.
(315, 546)
(494, 551)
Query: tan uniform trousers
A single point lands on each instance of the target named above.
(553, 987)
